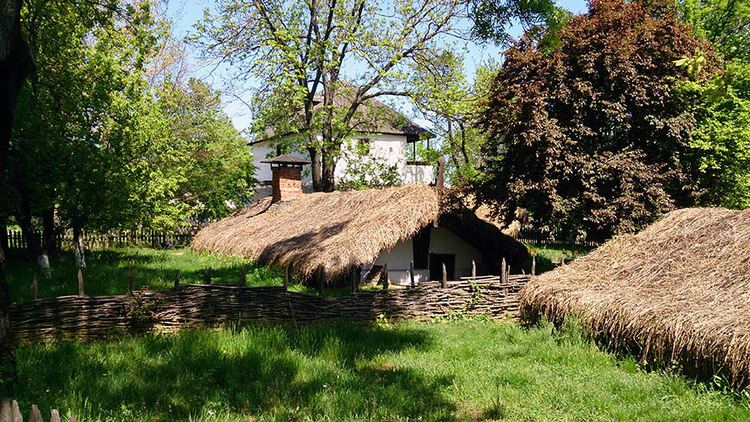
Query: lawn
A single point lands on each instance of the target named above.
(450, 370)
(107, 272)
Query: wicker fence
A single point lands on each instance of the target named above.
(211, 305)
(151, 238)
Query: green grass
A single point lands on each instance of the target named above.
(107, 272)
(550, 256)
(459, 370)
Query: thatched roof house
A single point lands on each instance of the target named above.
(677, 291)
(340, 231)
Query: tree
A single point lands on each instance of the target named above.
(721, 105)
(540, 19)
(445, 98)
(306, 52)
(591, 138)
(15, 64)
(215, 165)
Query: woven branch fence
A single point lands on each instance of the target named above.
(189, 305)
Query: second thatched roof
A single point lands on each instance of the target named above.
(679, 291)
(335, 232)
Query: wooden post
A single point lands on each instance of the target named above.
(533, 264)
(286, 278)
(321, 281)
(444, 280)
(473, 269)
(243, 276)
(131, 279)
(503, 280)
(355, 282)
(177, 278)
(35, 415)
(384, 276)
(34, 287)
(54, 416)
(80, 282)
(207, 276)
(411, 274)
(16, 412)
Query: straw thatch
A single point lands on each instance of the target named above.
(679, 291)
(335, 232)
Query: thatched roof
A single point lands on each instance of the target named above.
(340, 230)
(677, 291)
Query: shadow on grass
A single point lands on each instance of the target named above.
(315, 371)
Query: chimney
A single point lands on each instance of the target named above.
(287, 177)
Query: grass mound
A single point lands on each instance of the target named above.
(677, 293)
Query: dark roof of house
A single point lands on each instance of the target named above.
(286, 159)
(373, 117)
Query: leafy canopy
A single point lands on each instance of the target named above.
(591, 137)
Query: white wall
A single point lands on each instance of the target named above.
(392, 148)
(444, 241)
(441, 241)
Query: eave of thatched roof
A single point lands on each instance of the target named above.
(336, 231)
(679, 291)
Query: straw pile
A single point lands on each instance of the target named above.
(678, 292)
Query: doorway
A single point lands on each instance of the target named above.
(436, 265)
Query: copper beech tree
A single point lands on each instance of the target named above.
(590, 137)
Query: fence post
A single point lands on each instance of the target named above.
(411, 274)
(177, 278)
(384, 276)
(321, 281)
(207, 276)
(503, 280)
(54, 416)
(533, 265)
(131, 279)
(473, 269)
(34, 287)
(355, 282)
(80, 282)
(243, 276)
(286, 278)
(444, 279)
(35, 415)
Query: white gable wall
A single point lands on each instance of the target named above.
(442, 241)
(392, 148)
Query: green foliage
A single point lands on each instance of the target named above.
(721, 138)
(214, 165)
(542, 20)
(452, 105)
(366, 171)
(591, 138)
(726, 23)
(460, 370)
(721, 106)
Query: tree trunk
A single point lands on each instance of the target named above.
(3, 233)
(15, 64)
(315, 165)
(49, 244)
(79, 246)
(328, 184)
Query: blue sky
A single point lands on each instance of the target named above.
(185, 13)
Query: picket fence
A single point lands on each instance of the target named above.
(151, 238)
